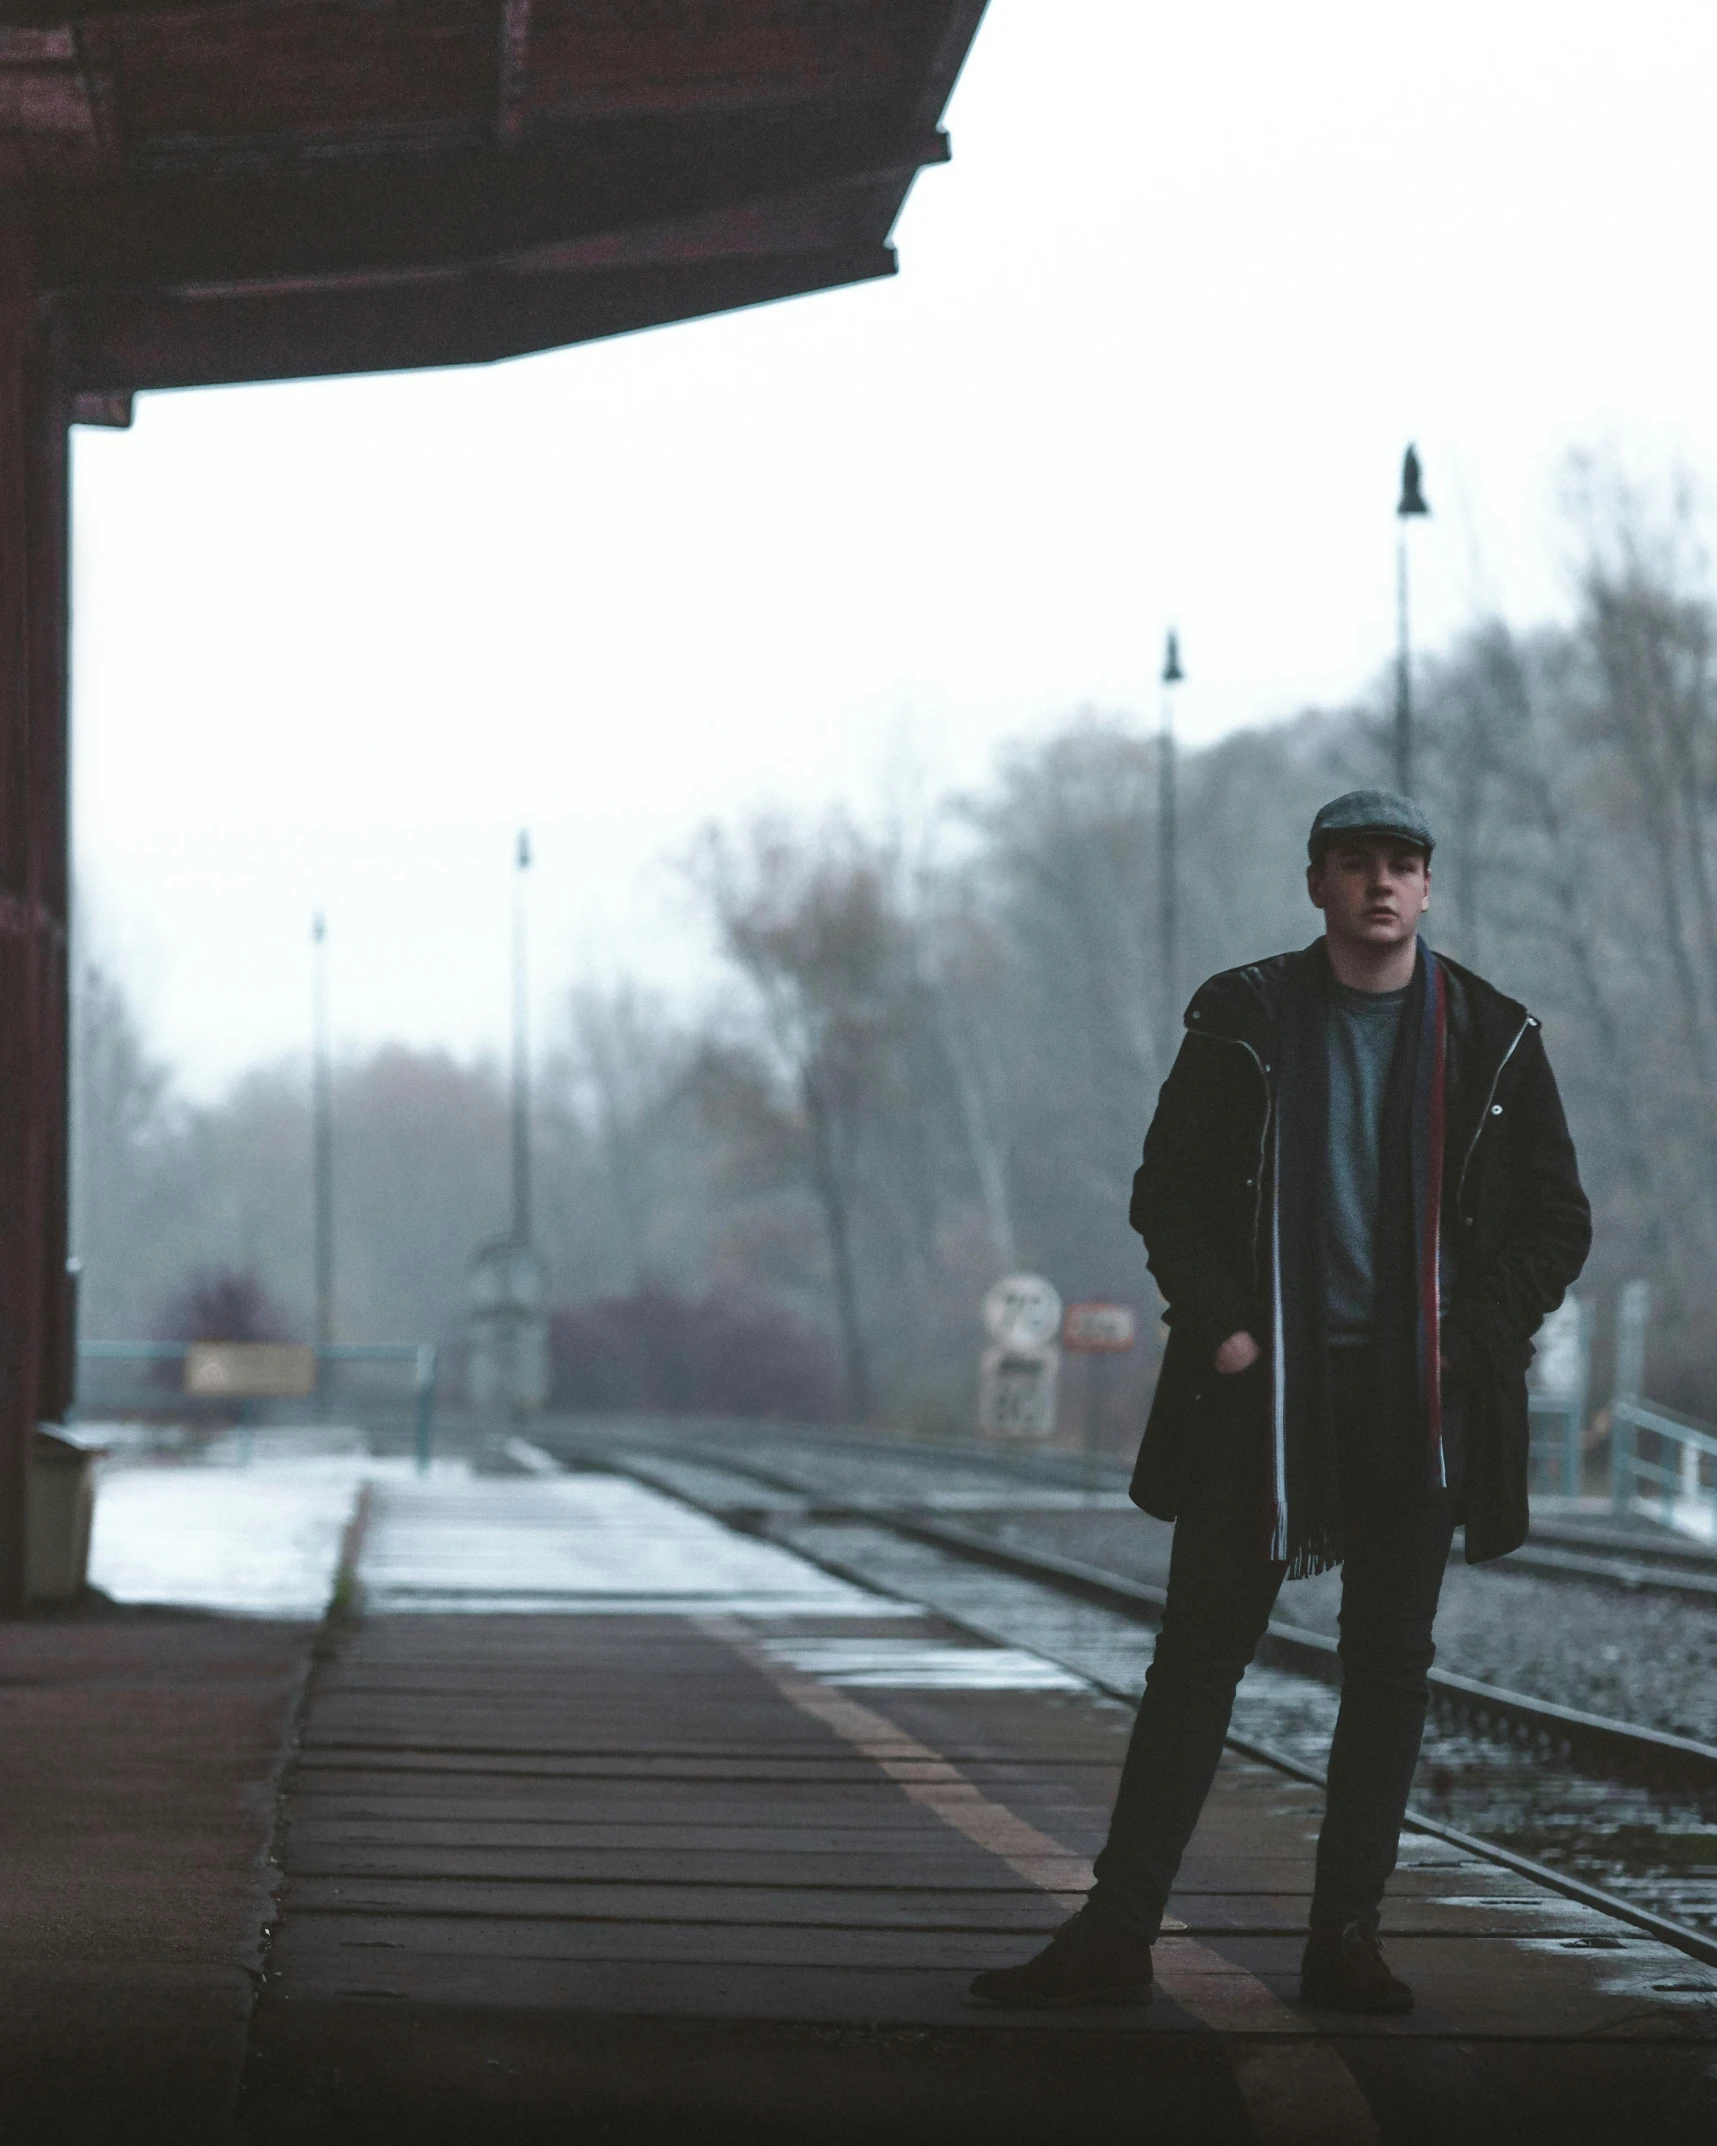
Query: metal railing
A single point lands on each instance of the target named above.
(1663, 1465)
(420, 1355)
(1670, 1475)
(1675, 1480)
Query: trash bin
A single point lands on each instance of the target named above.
(59, 1508)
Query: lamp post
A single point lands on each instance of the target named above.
(521, 1052)
(322, 1147)
(1412, 502)
(507, 1364)
(1168, 883)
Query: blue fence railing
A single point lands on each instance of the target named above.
(419, 1355)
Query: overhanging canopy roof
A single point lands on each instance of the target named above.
(228, 190)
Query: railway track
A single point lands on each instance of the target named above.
(1614, 1746)
(774, 1500)
(1619, 1559)
(1626, 1560)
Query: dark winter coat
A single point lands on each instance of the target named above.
(1514, 1215)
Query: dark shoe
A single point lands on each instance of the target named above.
(1087, 1961)
(1343, 1971)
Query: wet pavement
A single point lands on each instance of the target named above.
(140, 1758)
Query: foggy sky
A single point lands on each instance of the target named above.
(1162, 329)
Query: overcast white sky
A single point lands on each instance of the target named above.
(1193, 279)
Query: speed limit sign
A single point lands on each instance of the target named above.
(1023, 1312)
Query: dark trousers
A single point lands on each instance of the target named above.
(1221, 1590)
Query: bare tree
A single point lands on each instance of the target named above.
(620, 1091)
(123, 1121)
(963, 964)
(814, 923)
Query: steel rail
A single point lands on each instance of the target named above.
(1604, 1557)
(1627, 1545)
(1645, 1576)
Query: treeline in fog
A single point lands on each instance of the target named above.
(938, 1054)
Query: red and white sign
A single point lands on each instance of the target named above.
(1099, 1329)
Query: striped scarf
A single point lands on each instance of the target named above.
(1307, 1530)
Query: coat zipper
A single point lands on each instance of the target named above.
(1278, 1448)
(1240, 1044)
(1484, 1114)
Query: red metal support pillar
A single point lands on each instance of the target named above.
(35, 1344)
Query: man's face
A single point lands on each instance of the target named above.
(1372, 889)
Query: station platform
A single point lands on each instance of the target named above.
(141, 1756)
(609, 1822)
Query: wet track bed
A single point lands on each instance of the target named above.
(1634, 1657)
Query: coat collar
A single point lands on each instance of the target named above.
(1244, 1006)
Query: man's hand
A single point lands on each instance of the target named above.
(1238, 1353)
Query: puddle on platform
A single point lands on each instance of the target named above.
(922, 1665)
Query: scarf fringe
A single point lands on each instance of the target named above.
(1321, 1554)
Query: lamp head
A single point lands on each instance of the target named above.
(1172, 672)
(1412, 496)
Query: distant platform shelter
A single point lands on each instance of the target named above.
(197, 192)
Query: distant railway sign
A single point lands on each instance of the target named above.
(1022, 1313)
(1016, 1393)
(1099, 1329)
(250, 1370)
(1019, 1373)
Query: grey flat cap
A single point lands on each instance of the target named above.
(1370, 812)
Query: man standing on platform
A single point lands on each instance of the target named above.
(1359, 1199)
